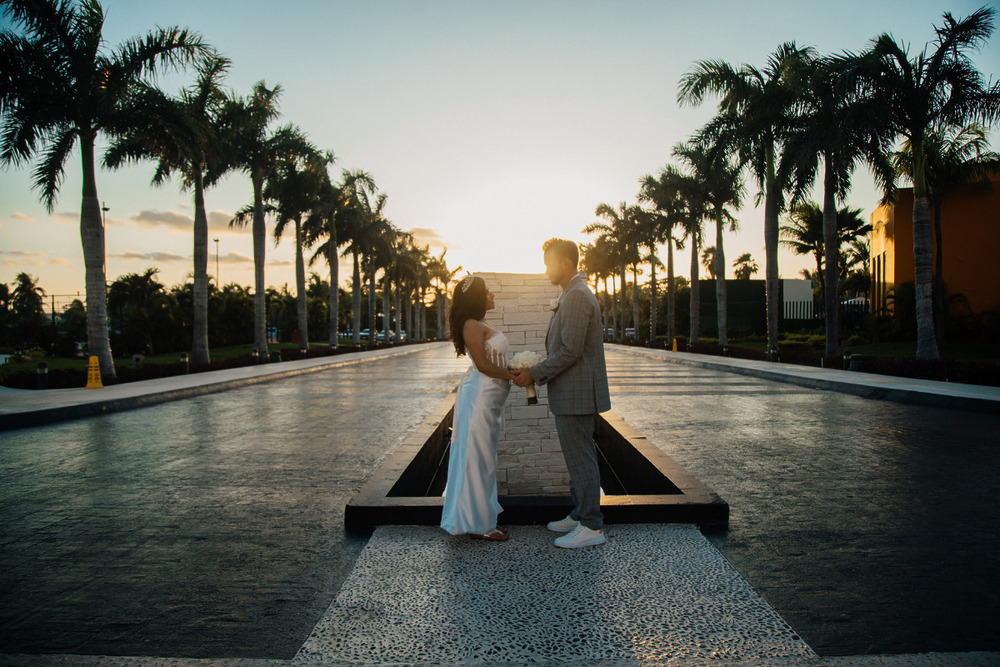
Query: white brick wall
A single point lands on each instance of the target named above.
(530, 461)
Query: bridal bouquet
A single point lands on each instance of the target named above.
(527, 359)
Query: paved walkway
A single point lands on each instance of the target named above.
(212, 528)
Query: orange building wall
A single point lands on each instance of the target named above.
(970, 235)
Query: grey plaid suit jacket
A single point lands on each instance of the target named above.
(574, 370)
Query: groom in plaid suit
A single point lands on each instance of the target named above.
(577, 379)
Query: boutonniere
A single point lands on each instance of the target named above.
(554, 305)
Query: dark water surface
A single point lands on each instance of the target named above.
(206, 527)
(871, 527)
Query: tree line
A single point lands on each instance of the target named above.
(62, 87)
(800, 118)
(806, 118)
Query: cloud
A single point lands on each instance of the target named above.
(66, 217)
(160, 219)
(167, 257)
(428, 236)
(22, 217)
(235, 258)
(218, 221)
(20, 259)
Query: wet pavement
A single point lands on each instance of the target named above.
(213, 526)
(210, 526)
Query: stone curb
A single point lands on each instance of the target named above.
(75, 404)
(928, 393)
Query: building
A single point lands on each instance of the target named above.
(970, 237)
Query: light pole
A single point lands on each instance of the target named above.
(104, 226)
(218, 285)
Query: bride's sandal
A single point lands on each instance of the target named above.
(492, 535)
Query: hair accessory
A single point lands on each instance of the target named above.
(466, 283)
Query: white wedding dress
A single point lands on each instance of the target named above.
(470, 497)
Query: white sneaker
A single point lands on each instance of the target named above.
(581, 537)
(563, 525)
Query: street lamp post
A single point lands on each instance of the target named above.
(104, 226)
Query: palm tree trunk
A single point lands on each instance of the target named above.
(939, 309)
(621, 301)
(386, 312)
(412, 332)
(92, 239)
(372, 324)
(399, 312)
(301, 303)
(356, 300)
(199, 320)
(635, 301)
(652, 299)
(721, 297)
(671, 293)
(695, 293)
(831, 260)
(439, 307)
(333, 261)
(260, 295)
(422, 314)
(771, 195)
(924, 279)
(614, 309)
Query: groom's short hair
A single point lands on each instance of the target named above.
(563, 248)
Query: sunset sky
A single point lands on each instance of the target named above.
(491, 126)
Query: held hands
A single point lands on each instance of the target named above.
(523, 377)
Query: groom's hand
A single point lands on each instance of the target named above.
(524, 378)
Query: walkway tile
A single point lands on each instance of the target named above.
(652, 593)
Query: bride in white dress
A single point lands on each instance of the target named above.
(470, 501)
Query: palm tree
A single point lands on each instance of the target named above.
(61, 87)
(366, 227)
(249, 148)
(652, 231)
(137, 298)
(754, 111)
(843, 126)
(708, 260)
(294, 183)
(744, 266)
(721, 188)
(803, 234)
(379, 235)
(26, 306)
(955, 156)
(939, 88)
(328, 225)
(441, 278)
(595, 259)
(620, 230)
(665, 195)
(183, 135)
(405, 273)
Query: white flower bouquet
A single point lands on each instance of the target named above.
(527, 359)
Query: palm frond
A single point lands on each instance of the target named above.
(50, 170)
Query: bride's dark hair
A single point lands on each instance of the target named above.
(468, 302)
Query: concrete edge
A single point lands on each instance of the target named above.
(933, 659)
(93, 408)
(867, 385)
